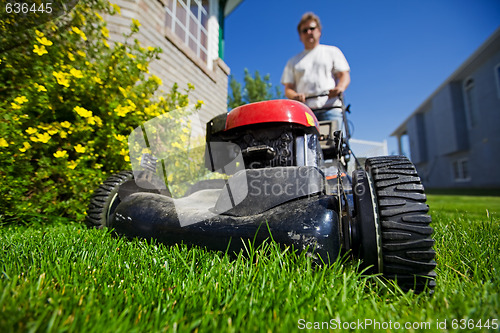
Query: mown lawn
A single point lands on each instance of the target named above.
(63, 277)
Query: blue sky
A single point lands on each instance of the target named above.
(399, 51)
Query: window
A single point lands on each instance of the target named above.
(470, 102)
(188, 20)
(461, 170)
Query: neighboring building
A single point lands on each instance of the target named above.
(191, 34)
(454, 136)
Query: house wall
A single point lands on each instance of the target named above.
(177, 64)
(441, 134)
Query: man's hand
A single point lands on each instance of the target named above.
(343, 79)
(300, 98)
(335, 92)
(292, 94)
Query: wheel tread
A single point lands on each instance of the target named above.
(407, 246)
(100, 199)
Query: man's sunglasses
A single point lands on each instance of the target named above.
(306, 30)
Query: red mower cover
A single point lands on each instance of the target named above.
(274, 111)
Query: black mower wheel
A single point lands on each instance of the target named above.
(404, 230)
(105, 199)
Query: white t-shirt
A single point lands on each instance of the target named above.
(311, 71)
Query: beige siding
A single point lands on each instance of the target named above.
(177, 63)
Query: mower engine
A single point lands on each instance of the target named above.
(276, 139)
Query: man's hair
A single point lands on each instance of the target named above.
(309, 16)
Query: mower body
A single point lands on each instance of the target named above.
(281, 193)
(275, 185)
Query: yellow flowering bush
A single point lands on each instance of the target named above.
(69, 98)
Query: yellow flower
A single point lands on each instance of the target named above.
(72, 164)
(52, 131)
(157, 80)
(150, 48)
(123, 110)
(66, 124)
(43, 138)
(131, 104)
(123, 91)
(99, 17)
(44, 41)
(76, 73)
(97, 80)
(40, 88)
(79, 32)
(81, 53)
(31, 130)
(142, 68)
(40, 50)
(62, 78)
(95, 120)
(177, 145)
(79, 149)
(116, 8)
(63, 134)
(82, 112)
(60, 154)
(105, 32)
(3, 143)
(120, 137)
(39, 33)
(20, 99)
(71, 56)
(136, 22)
(26, 146)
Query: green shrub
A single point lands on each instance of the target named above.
(69, 98)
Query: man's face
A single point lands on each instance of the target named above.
(310, 34)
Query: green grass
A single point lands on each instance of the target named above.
(63, 277)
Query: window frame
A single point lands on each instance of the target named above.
(470, 102)
(460, 173)
(193, 42)
(496, 70)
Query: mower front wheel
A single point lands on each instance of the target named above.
(105, 199)
(400, 244)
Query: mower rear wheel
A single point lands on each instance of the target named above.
(407, 247)
(105, 199)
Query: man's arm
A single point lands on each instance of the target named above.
(342, 80)
(292, 94)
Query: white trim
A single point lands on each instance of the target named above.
(470, 103)
(497, 78)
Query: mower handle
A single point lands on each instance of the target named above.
(341, 106)
(340, 96)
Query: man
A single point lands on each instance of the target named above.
(318, 70)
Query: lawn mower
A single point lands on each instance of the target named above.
(270, 171)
